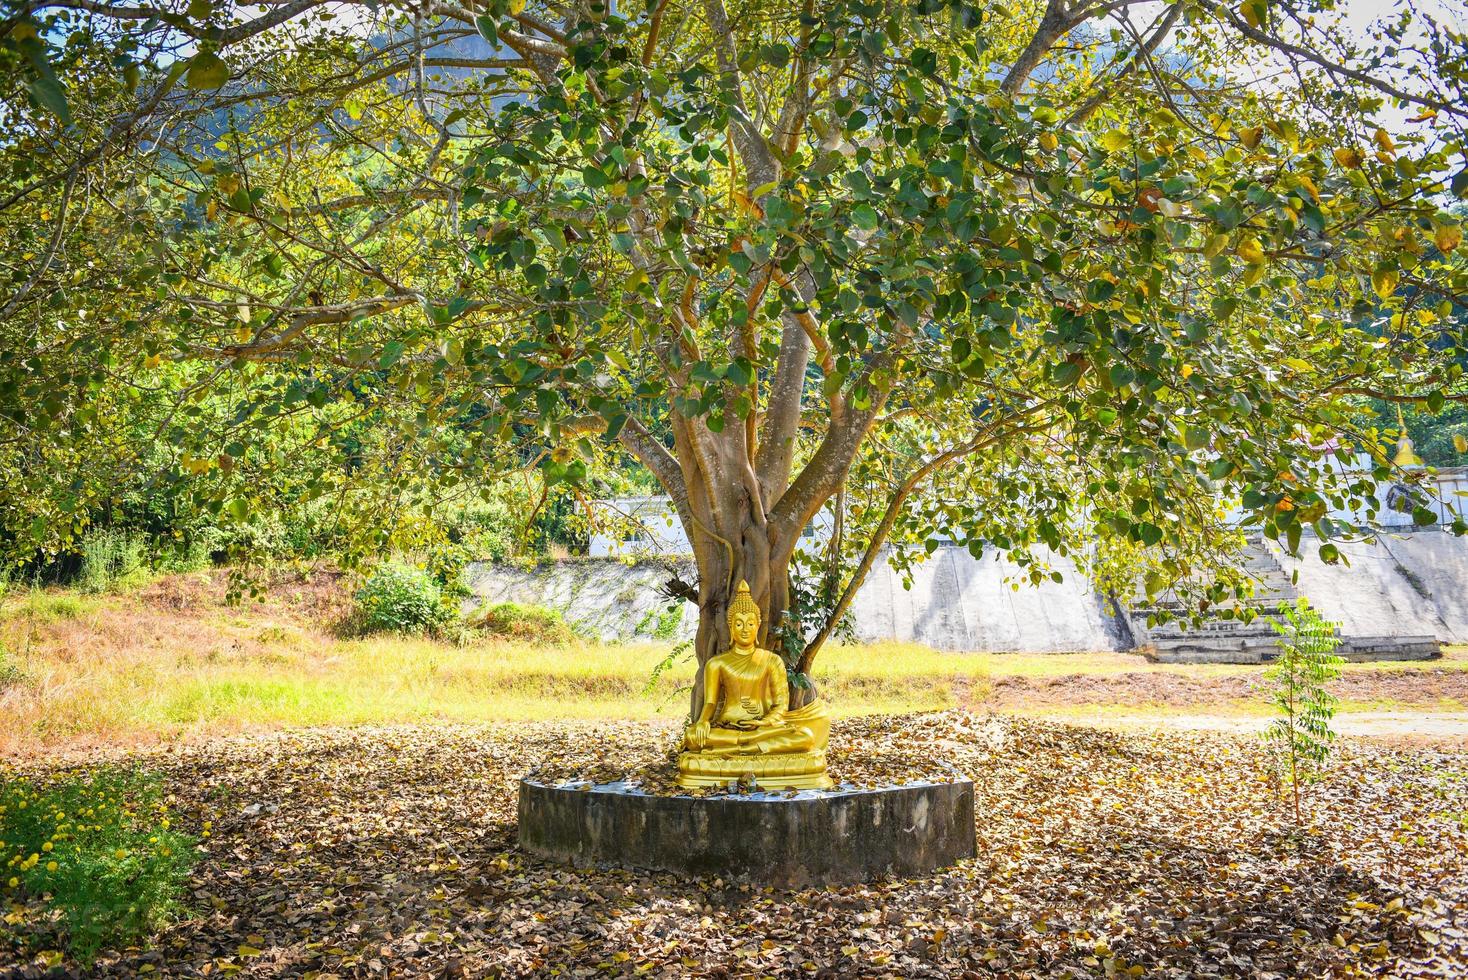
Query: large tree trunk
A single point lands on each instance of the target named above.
(720, 570)
(733, 538)
(716, 588)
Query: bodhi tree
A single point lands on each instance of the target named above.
(1023, 276)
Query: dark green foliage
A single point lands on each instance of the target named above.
(399, 598)
(997, 281)
(100, 849)
(533, 624)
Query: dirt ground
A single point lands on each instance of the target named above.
(1424, 685)
(391, 852)
(1142, 700)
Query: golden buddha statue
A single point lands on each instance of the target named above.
(746, 727)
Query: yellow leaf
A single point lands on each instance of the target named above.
(1250, 136)
(1250, 251)
(1350, 158)
(153, 360)
(516, 7)
(1048, 141)
(1215, 246)
(1384, 281)
(1187, 371)
(1115, 140)
(1447, 237)
(248, 950)
(1460, 442)
(1384, 140)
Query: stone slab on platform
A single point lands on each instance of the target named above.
(811, 837)
(1356, 649)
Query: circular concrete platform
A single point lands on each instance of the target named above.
(813, 837)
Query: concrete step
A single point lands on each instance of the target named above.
(1269, 597)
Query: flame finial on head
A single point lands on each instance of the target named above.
(743, 603)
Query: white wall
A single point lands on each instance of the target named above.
(658, 530)
(655, 528)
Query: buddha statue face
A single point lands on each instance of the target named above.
(743, 618)
(743, 628)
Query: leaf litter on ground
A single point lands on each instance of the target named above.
(391, 852)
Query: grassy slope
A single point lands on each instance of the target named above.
(174, 661)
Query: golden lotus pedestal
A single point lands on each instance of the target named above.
(790, 770)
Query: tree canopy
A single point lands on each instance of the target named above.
(1033, 277)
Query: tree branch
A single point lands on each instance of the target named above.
(989, 435)
(1332, 67)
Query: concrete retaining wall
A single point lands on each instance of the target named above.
(1410, 584)
(961, 603)
(1406, 584)
(956, 603)
(608, 598)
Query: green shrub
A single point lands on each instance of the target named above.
(661, 625)
(51, 607)
(534, 624)
(191, 555)
(399, 598)
(110, 559)
(10, 673)
(669, 620)
(485, 529)
(99, 850)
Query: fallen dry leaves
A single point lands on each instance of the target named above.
(353, 853)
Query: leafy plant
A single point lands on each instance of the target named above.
(660, 625)
(535, 624)
(668, 622)
(110, 558)
(400, 598)
(680, 652)
(101, 851)
(1302, 736)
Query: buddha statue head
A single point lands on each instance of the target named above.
(743, 618)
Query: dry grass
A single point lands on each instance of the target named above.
(176, 662)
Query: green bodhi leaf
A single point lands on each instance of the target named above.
(206, 70)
